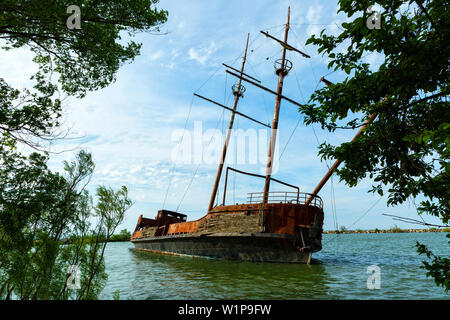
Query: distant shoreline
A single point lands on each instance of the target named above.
(392, 230)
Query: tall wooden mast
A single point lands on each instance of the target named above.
(282, 71)
(282, 67)
(237, 91)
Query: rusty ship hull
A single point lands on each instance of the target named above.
(255, 247)
(271, 232)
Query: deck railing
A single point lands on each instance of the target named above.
(286, 197)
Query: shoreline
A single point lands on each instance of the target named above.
(392, 230)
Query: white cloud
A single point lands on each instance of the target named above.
(157, 55)
(202, 54)
(16, 66)
(314, 13)
(313, 17)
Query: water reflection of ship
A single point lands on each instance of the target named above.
(168, 277)
(271, 227)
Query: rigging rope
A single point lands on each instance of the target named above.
(333, 204)
(251, 51)
(185, 126)
(225, 102)
(196, 170)
(332, 191)
(362, 216)
(299, 119)
(182, 137)
(176, 159)
(262, 94)
(198, 166)
(290, 137)
(236, 157)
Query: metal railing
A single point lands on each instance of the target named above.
(286, 197)
(253, 175)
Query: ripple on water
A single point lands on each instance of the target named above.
(339, 272)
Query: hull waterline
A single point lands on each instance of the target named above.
(255, 247)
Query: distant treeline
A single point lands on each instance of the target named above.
(393, 229)
(124, 235)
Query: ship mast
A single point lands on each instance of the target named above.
(238, 92)
(282, 68)
(282, 71)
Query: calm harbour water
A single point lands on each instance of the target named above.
(339, 274)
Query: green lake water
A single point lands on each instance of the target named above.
(340, 272)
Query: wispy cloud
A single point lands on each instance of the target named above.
(314, 17)
(158, 54)
(202, 54)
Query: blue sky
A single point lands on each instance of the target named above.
(128, 126)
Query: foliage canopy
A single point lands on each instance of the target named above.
(41, 209)
(406, 149)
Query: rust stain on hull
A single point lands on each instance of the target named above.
(276, 232)
(167, 253)
(281, 218)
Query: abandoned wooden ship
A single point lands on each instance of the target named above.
(271, 227)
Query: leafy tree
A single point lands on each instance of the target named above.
(27, 117)
(40, 209)
(83, 59)
(405, 150)
(439, 268)
(86, 58)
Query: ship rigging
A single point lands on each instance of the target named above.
(272, 226)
